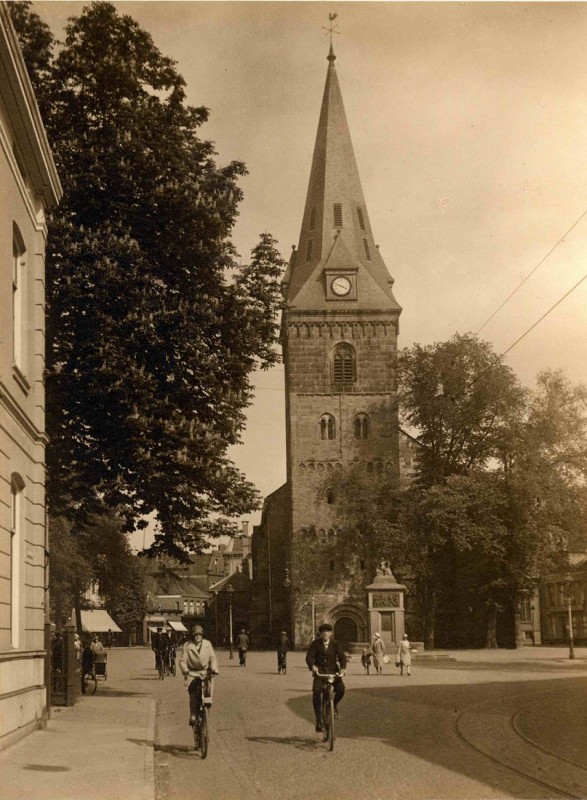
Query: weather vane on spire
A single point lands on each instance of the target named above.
(332, 28)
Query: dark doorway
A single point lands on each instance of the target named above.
(345, 631)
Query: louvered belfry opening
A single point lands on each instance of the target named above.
(361, 218)
(337, 215)
(344, 364)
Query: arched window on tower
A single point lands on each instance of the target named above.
(343, 364)
(327, 427)
(361, 426)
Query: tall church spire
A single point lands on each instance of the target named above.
(336, 232)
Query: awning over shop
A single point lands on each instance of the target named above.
(97, 621)
(177, 626)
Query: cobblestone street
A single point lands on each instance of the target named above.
(465, 729)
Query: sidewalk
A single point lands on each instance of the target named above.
(99, 749)
(540, 654)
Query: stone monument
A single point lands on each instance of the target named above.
(386, 606)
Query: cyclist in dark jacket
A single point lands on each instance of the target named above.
(283, 647)
(326, 656)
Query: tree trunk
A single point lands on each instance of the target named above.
(429, 620)
(78, 612)
(491, 635)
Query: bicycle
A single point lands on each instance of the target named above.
(160, 664)
(170, 659)
(203, 701)
(327, 707)
(281, 663)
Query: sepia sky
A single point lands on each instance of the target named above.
(469, 122)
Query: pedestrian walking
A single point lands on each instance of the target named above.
(77, 644)
(243, 646)
(378, 648)
(404, 658)
(366, 659)
(283, 647)
(109, 637)
(87, 663)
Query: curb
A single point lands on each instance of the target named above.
(149, 763)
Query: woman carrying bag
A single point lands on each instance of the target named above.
(379, 657)
(404, 659)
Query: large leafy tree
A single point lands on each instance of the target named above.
(153, 328)
(464, 404)
(499, 498)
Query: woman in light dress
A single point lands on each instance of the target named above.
(403, 655)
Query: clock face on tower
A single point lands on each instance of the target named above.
(340, 286)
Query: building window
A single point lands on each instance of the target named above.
(361, 426)
(332, 565)
(327, 427)
(343, 364)
(337, 215)
(185, 607)
(18, 299)
(361, 219)
(330, 496)
(16, 539)
(525, 609)
(191, 608)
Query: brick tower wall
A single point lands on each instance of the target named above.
(336, 577)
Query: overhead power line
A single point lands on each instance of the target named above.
(519, 339)
(542, 260)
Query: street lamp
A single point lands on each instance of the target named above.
(215, 593)
(568, 584)
(230, 590)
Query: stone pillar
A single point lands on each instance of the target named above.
(386, 607)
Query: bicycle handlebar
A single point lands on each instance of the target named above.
(202, 673)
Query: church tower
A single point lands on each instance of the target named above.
(339, 336)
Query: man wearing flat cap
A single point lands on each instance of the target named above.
(326, 656)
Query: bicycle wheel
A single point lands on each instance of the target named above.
(325, 716)
(196, 730)
(204, 735)
(173, 668)
(161, 668)
(331, 723)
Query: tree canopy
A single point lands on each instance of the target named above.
(499, 496)
(153, 327)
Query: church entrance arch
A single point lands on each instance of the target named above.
(349, 623)
(345, 631)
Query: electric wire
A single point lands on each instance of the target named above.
(519, 339)
(542, 260)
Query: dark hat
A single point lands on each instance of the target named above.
(326, 626)
(197, 629)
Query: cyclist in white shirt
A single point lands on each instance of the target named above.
(197, 655)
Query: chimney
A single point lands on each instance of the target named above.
(245, 527)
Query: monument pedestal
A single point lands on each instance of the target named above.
(386, 609)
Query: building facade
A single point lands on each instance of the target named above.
(339, 338)
(28, 186)
(563, 603)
